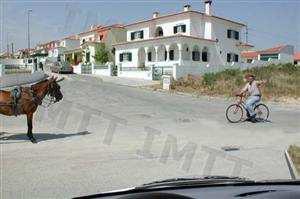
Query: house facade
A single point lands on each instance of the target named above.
(69, 50)
(179, 44)
(278, 54)
(297, 58)
(107, 35)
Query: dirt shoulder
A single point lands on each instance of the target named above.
(283, 83)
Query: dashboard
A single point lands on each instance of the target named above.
(211, 192)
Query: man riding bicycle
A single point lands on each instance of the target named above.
(253, 89)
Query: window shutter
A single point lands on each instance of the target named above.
(132, 36)
(196, 56)
(175, 29)
(171, 55)
(236, 58)
(129, 57)
(228, 33)
(183, 28)
(204, 57)
(166, 54)
(228, 57)
(149, 56)
(236, 35)
(142, 34)
(121, 57)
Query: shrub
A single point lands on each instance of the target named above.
(209, 79)
(282, 81)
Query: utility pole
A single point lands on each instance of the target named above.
(247, 33)
(7, 50)
(28, 30)
(12, 49)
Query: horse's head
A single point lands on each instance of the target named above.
(54, 89)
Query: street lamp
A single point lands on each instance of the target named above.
(28, 30)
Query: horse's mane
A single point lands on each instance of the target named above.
(39, 83)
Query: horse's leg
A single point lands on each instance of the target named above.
(29, 125)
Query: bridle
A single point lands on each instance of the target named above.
(49, 98)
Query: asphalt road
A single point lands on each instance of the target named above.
(104, 136)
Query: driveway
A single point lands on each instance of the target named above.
(106, 136)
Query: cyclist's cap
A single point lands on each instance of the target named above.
(249, 75)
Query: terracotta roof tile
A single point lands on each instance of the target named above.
(249, 54)
(276, 49)
(297, 56)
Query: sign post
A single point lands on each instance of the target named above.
(166, 80)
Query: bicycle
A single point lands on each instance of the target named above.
(235, 112)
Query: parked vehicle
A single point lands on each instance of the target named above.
(61, 67)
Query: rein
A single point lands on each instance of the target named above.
(51, 100)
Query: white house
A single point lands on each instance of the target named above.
(66, 44)
(179, 44)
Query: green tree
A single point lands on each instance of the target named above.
(101, 54)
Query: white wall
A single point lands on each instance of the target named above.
(143, 28)
(133, 63)
(287, 54)
(168, 27)
(226, 45)
(136, 74)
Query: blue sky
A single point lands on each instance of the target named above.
(270, 22)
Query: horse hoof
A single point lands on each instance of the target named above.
(33, 140)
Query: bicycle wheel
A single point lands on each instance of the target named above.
(234, 113)
(262, 112)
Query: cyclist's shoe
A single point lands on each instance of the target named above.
(253, 120)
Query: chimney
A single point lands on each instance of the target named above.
(208, 10)
(92, 27)
(187, 8)
(155, 15)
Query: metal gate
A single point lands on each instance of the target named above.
(86, 69)
(159, 71)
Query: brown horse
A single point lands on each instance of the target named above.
(31, 98)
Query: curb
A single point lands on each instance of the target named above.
(291, 166)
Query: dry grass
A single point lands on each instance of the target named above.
(283, 82)
(294, 152)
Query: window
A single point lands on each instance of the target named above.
(236, 35)
(229, 33)
(101, 37)
(149, 56)
(267, 57)
(236, 58)
(159, 32)
(166, 54)
(232, 34)
(137, 35)
(179, 28)
(87, 56)
(205, 54)
(228, 57)
(231, 57)
(171, 54)
(249, 60)
(125, 57)
(196, 56)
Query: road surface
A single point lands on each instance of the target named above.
(105, 136)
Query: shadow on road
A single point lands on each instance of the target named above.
(39, 136)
